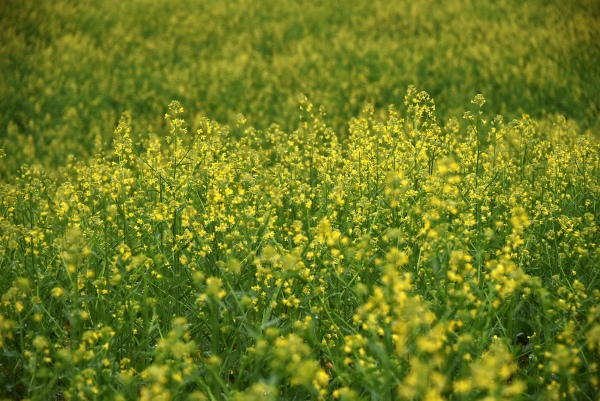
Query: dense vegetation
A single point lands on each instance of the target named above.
(69, 69)
(285, 251)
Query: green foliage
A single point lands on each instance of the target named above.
(409, 261)
(68, 70)
(281, 251)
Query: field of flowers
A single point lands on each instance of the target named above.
(69, 69)
(282, 250)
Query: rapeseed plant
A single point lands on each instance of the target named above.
(408, 260)
(68, 71)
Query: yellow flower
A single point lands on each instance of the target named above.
(462, 386)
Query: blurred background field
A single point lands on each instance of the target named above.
(69, 69)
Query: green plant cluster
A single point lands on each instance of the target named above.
(276, 250)
(409, 261)
(68, 70)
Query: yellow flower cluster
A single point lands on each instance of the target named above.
(409, 260)
(66, 82)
